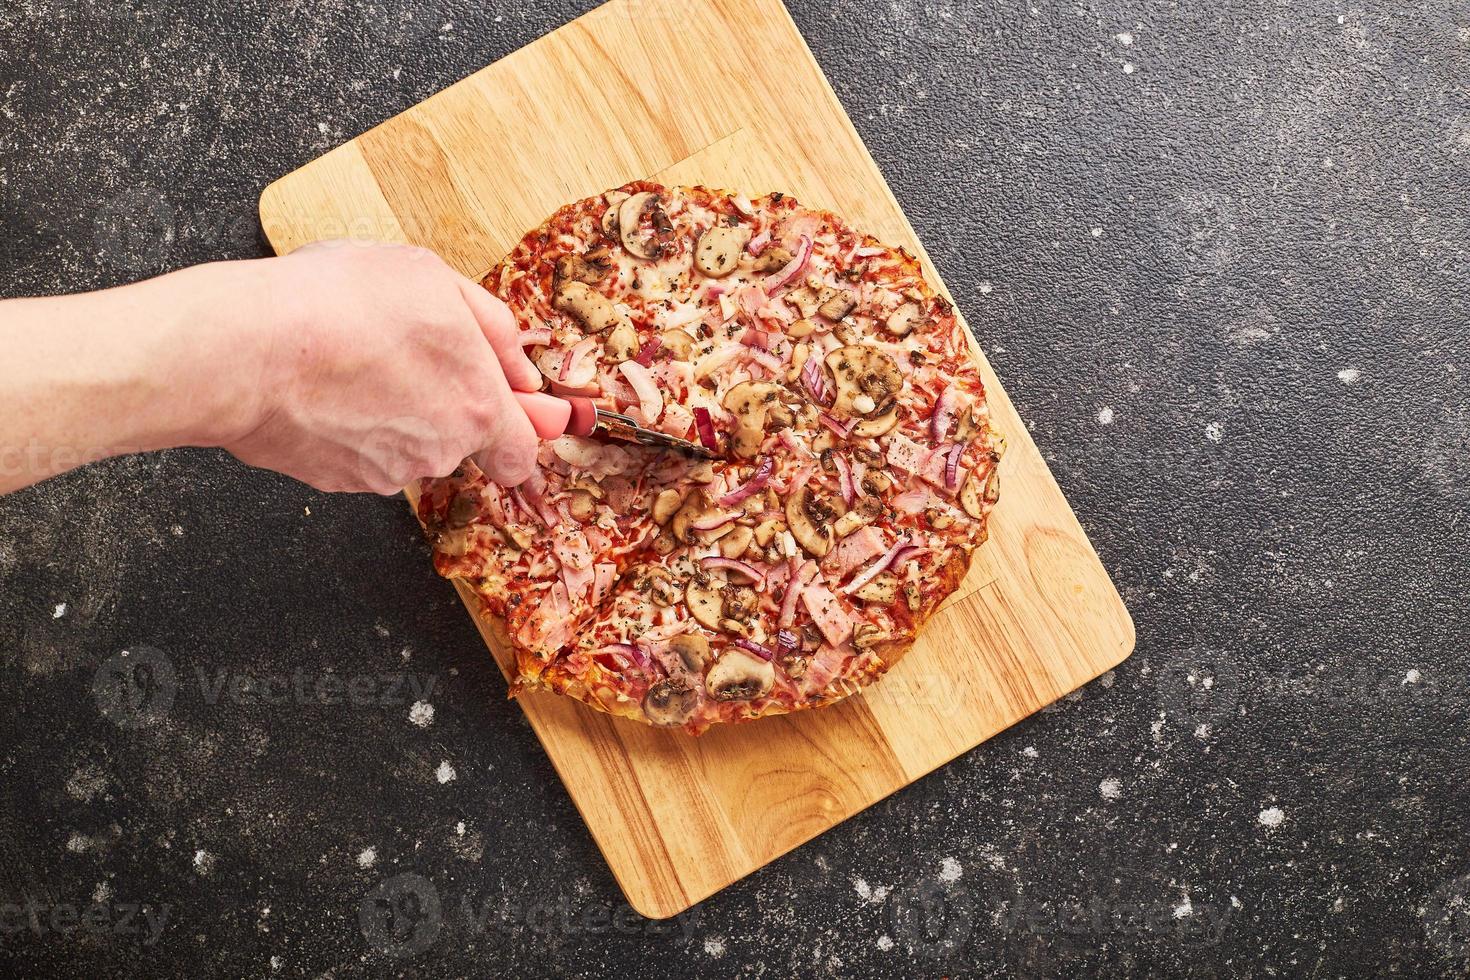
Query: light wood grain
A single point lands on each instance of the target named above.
(725, 93)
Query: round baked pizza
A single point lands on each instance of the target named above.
(853, 473)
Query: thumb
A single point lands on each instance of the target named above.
(499, 327)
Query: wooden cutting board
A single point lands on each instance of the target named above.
(725, 93)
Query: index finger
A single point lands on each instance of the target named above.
(498, 325)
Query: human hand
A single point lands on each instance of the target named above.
(384, 366)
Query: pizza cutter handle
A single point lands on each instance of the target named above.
(554, 417)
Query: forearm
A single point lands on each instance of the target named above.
(141, 367)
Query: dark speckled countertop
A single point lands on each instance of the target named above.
(1220, 255)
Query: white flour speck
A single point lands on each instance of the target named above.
(445, 772)
(1124, 39)
(459, 828)
(203, 861)
(367, 857)
(1110, 788)
(1215, 431)
(77, 843)
(1271, 817)
(421, 714)
(714, 946)
(1030, 752)
(1184, 909)
(1413, 676)
(885, 943)
(1105, 415)
(1349, 375)
(102, 892)
(59, 611)
(1127, 67)
(986, 288)
(1097, 233)
(87, 783)
(277, 962)
(950, 870)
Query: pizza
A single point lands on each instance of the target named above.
(854, 474)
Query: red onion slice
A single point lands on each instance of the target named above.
(840, 429)
(732, 567)
(539, 337)
(786, 640)
(794, 588)
(904, 554)
(755, 484)
(706, 427)
(790, 270)
(877, 568)
(758, 244)
(815, 380)
(648, 352)
(627, 651)
(952, 466)
(572, 358)
(844, 478)
(753, 647)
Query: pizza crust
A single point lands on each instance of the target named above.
(856, 459)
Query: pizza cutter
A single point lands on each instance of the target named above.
(554, 416)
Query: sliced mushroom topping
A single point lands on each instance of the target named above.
(695, 506)
(581, 505)
(678, 343)
(735, 627)
(609, 222)
(749, 402)
(622, 343)
(992, 486)
(878, 425)
(704, 601)
(876, 482)
(670, 702)
(881, 591)
(665, 505)
(865, 636)
(692, 649)
(463, 508)
(587, 268)
(664, 543)
(975, 493)
(587, 306)
(912, 597)
(718, 251)
(805, 299)
(518, 536)
(809, 519)
(766, 530)
(740, 602)
(940, 520)
(866, 511)
(773, 259)
(837, 303)
(901, 322)
(969, 422)
(800, 328)
(860, 370)
(630, 219)
(654, 581)
(739, 676)
(733, 545)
